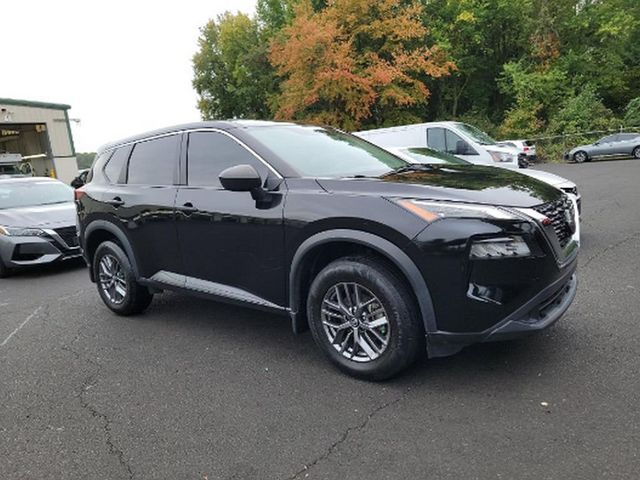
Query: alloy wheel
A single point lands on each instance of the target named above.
(355, 322)
(580, 157)
(112, 280)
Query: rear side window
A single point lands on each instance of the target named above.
(435, 139)
(114, 170)
(209, 153)
(154, 162)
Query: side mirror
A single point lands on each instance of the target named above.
(77, 182)
(462, 148)
(240, 178)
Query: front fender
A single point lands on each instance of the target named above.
(384, 247)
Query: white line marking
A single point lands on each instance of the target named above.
(6, 340)
(4, 304)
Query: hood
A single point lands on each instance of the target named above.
(550, 178)
(40, 216)
(461, 183)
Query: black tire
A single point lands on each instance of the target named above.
(136, 298)
(4, 271)
(636, 153)
(580, 157)
(405, 331)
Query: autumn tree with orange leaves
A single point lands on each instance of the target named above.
(354, 63)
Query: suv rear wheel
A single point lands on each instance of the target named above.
(362, 317)
(116, 281)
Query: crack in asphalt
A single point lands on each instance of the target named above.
(610, 247)
(88, 383)
(345, 435)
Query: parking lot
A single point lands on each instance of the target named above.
(198, 390)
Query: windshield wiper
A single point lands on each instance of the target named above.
(412, 167)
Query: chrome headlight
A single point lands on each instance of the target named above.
(501, 156)
(21, 232)
(432, 211)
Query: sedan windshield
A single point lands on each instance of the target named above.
(31, 194)
(476, 134)
(432, 157)
(325, 152)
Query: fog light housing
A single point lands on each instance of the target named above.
(503, 247)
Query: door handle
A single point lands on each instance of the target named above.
(187, 208)
(116, 202)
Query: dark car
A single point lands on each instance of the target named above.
(379, 257)
(37, 223)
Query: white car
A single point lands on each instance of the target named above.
(419, 154)
(526, 148)
(464, 141)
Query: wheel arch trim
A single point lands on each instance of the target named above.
(103, 225)
(382, 246)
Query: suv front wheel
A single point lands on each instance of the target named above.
(363, 318)
(116, 281)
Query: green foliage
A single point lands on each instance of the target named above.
(584, 112)
(632, 113)
(232, 75)
(523, 68)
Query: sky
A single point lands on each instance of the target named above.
(123, 66)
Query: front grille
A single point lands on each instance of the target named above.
(557, 213)
(69, 235)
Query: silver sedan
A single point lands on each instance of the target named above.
(617, 145)
(37, 223)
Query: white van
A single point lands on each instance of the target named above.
(464, 141)
(460, 139)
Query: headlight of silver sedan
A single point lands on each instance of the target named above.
(21, 232)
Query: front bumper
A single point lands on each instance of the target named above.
(19, 252)
(537, 314)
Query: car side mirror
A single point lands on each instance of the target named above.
(462, 148)
(77, 182)
(240, 178)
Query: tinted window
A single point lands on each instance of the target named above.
(435, 139)
(325, 152)
(154, 162)
(211, 152)
(452, 140)
(115, 166)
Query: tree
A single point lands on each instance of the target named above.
(232, 75)
(632, 113)
(354, 63)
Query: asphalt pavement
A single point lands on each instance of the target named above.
(194, 389)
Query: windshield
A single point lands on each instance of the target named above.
(30, 194)
(476, 134)
(325, 152)
(432, 157)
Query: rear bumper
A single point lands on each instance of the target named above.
(537, 314)
(19, 252)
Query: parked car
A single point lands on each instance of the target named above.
(418, 154)
(37, 223)
(377, 256)
(466, 142)
(457, 138)
(526, 148)
(618, 145)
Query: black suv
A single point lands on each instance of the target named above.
(378, 257)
